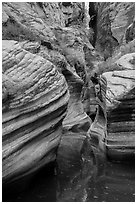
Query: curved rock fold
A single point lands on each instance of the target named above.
(37, 99)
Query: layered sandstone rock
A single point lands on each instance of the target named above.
(43, 37)
(120, 81)
(115, 38)
(48, 35)
(121, 109)
(35, 98)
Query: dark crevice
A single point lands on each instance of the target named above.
(47, 44)
(93, 22)
(66, 4)
(40, 4)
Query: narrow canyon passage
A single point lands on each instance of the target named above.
(68, 101)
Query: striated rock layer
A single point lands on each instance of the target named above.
(120, 140)
(35, 98)
(121, 129)
(55, 32)
(41, 38)
(35, 94)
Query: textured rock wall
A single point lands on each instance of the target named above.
(37, 19)
(42, 42)
(116, 42)
(39, 39)
(121, 108)
(35, 98)
(52, 40)
(114, 20)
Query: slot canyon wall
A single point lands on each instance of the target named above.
(50, 53)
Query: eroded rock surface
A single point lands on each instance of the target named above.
(42, 42)
(121, 109)
(37, 41)
(35, 98)
(115, 25)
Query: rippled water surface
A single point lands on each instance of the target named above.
(108, 182)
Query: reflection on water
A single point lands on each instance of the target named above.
(98, 181)
(116, 185)
(95, 180)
